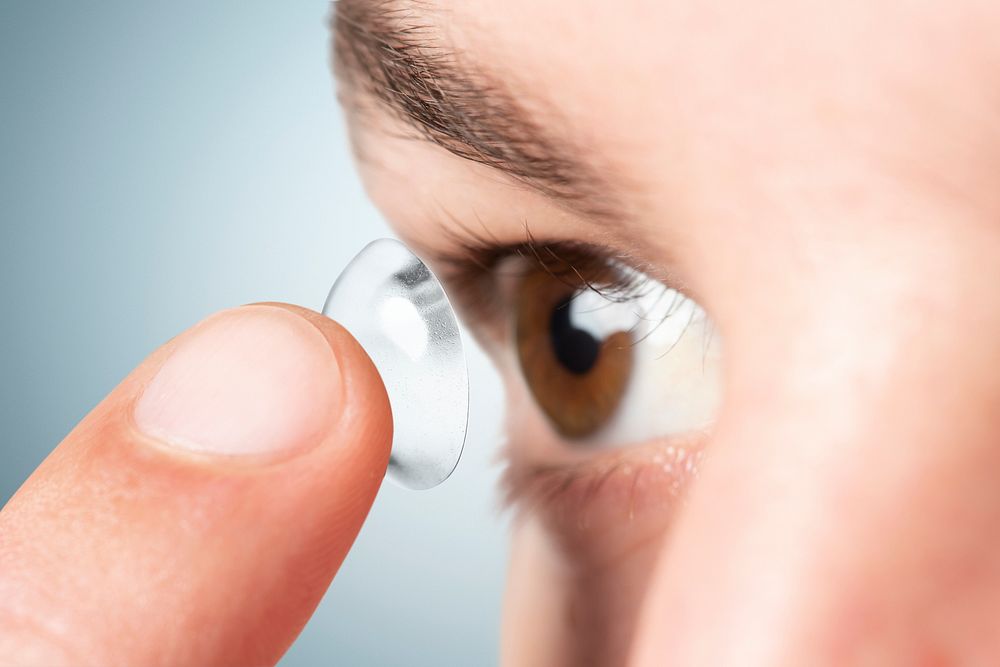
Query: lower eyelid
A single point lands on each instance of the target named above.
(610, 491)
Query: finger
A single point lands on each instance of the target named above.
(198, 514)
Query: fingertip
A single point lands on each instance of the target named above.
(221, 484)
(365, 400)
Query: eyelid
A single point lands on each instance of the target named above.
(606, 492)
(475, 273)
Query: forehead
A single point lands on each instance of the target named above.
(452, 79)
(715, 121)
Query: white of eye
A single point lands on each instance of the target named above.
(675, 385)
(600, 317)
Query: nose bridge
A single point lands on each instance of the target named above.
(849, 505)
(890, 337)
(876, 365)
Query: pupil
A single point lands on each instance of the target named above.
(575, 349)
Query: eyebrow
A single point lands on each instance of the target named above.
(385, 48)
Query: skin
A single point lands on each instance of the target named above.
(822, 179)
(122, 549)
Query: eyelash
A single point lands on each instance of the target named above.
(570, 488)
(471, 271)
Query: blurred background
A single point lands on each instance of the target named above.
(159, 162)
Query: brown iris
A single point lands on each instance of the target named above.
(576, 379)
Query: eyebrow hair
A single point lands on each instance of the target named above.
(384, 48)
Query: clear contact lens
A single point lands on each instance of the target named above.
(395, 307)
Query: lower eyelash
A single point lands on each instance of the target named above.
(620, 479)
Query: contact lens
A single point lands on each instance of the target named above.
(394, 306)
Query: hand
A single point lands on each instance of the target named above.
(198, 514)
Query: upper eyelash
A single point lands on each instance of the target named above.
(470, 272)
(575, 263)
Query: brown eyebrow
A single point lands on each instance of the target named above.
(385, 49)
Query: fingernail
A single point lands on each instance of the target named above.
(256, 380)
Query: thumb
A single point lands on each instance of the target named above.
(198, 514)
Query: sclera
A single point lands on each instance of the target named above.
(397, 310)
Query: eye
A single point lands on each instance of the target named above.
(614, 355)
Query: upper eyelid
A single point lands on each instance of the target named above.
(474, 266)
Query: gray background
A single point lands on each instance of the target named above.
(158, 162)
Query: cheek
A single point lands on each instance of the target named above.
(559, 611)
